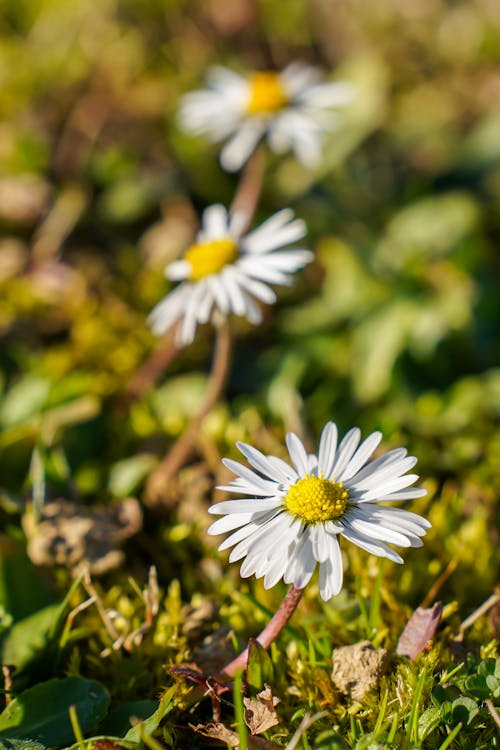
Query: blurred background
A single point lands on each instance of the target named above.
(394, 327)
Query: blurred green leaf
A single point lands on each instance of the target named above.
(41, 713)
(126, 475)
(430, 228)
(24, 400)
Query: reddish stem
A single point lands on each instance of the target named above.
(269, 634)
(150, 371)
(181, 449)
(249, 187)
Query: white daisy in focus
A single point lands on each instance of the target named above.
(225, 271)
(292, 109)
(296, 514)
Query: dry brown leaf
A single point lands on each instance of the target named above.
(419, 630)
(260, 713)
(358, 668)
(217, 731)
(81, 537)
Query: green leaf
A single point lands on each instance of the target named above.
(126, 475)
(117, 722)
(28, 638)
(476, 686)
(489, 667)
(22, 590)
(33, 642)
(260, 667)
(440, 694)
(430, 227)
(20, 745)
(149, 725)
(41, 713)
(428, 721)
(25, 399)
(463, 710)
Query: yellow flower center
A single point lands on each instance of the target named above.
(266, 94)
(315, 499)
(209, 257)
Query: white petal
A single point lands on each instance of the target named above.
(245, 531)
(397, 483)
(394, 469)
(377, 531)
(215, 222)
(191, 313)
(219, 292)
(344, 454)
(250, 476)
(170, 309)
(264, 464)
(245, 505)
(409, 494)
(297, 453)
(327, 448)
(302, 563)
(319, 539)
(282, 467)
(178, 270)
(255, 287)
(236, 151)
(374, 548)
(335, 94)
(361, 456)
(236, 298)
(390, 457)
(255, 546)
(331, 571)
(229, 522)
(264, 240)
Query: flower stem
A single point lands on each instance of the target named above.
(249, 187)
(149, 372)
(270, 632)
(181, 450)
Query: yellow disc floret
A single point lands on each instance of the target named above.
(266, 95)
(210, 257)
(314, 499)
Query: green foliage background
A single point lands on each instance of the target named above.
(394, 327)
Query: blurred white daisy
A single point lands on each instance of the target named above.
(292, 108)
(295, 515)
(226, 270)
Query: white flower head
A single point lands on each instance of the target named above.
(225, 271)
(296, 514)
(292, 108)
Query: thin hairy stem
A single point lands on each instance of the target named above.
(181, 450)
(270, 632)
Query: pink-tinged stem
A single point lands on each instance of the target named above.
(249, 187)
(270, 632)
(156, 364)
(181, 450)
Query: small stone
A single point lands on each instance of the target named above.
(358, 668)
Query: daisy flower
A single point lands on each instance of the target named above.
(296, 513)
(292, 108)
(226, 270)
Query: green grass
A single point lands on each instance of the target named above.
(393, 327)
